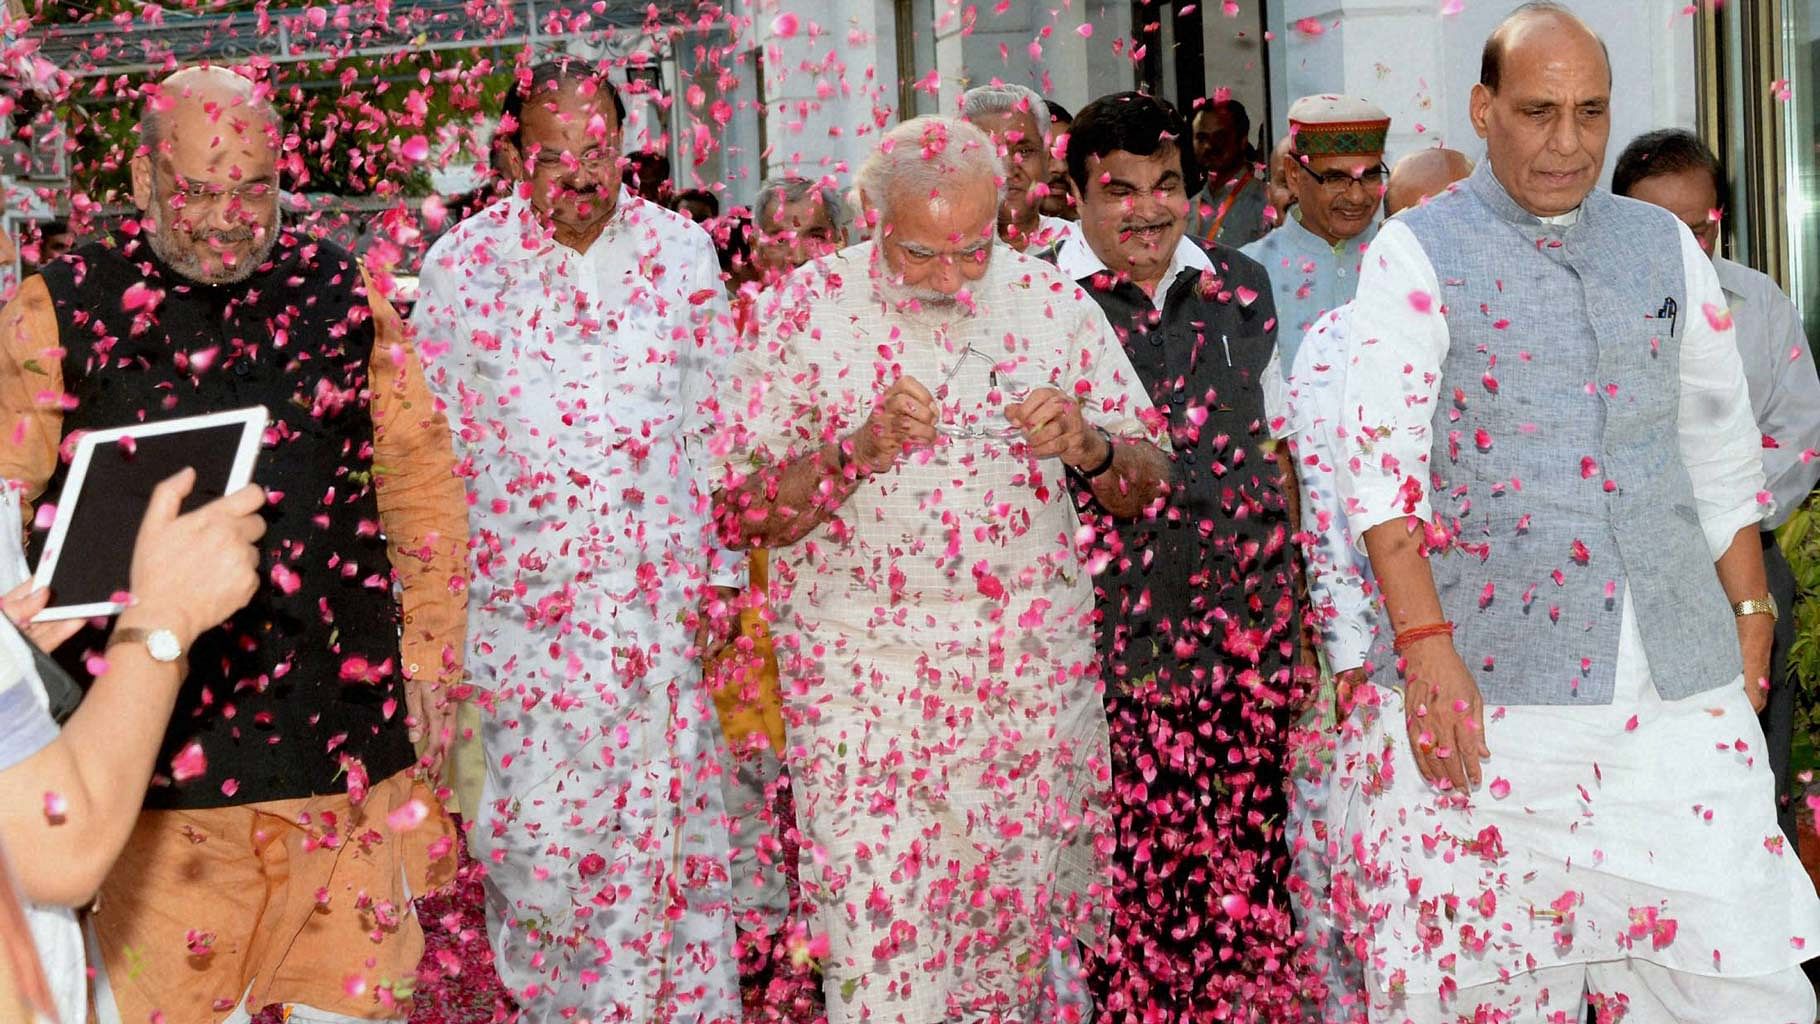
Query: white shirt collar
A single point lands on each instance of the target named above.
(1734, 279)
(1077, 260)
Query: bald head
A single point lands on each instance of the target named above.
(1541, 16)
(1423, 175)
(207, 174)
(206, 98)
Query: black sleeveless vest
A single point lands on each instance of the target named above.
(1208, 585)
(307, 675)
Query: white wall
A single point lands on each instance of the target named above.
(1420, 65)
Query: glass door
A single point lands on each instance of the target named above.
(1796, 93)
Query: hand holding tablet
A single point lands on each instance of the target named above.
(88, 559)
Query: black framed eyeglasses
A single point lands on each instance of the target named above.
(1339, 181)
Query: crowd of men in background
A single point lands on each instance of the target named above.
(1173, 582)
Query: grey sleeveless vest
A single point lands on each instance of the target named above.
(1555, 471)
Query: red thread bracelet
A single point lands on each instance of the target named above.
(1414, 634)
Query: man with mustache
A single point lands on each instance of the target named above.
(912, 422)
(283, 871)
(1198, 618)
(1059, 203)
(576, 333)
(1553, 788)
(1336, 170)
(1230, 208)
(1017, 119)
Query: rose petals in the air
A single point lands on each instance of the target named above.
(190, 763)
(408, 817)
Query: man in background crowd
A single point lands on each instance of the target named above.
(54, 239)
(1229, 209)
(1059, 203)
(647, 174)
(799, 220)
(698, 204)
(1340, 606)
(1280, 198)
(1017, 120)
(1336, 170)
(1673, 169)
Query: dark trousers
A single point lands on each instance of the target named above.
(1778, 716)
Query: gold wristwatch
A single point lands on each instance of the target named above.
(1765, 605)
(161, 644)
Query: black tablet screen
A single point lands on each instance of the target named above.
(98, 548)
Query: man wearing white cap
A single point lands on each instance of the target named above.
(1337, 173)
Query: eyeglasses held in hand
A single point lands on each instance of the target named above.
(999, 381)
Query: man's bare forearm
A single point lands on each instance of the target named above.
(1134, 480)
(1740, 571)
(781, 504)
(1402, 573)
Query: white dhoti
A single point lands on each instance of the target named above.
(1637, 836)
(602, 827)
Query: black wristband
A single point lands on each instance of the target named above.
(843, 459)
(1105, 464)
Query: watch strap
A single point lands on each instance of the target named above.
(1105, 463)
(128, 635)
(1765, 605)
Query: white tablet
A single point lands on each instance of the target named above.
(88, 556)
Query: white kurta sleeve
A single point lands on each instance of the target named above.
(709, 351)
(1789, 410)
(1399, 341)
(443, 339)
(1717, 432)
(1336, 581)
(1276, 396)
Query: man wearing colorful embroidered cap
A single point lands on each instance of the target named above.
(1552, 791)
(1336, 170)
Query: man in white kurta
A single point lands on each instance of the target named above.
(947, 738)
(577, 375)
(1620, 846)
